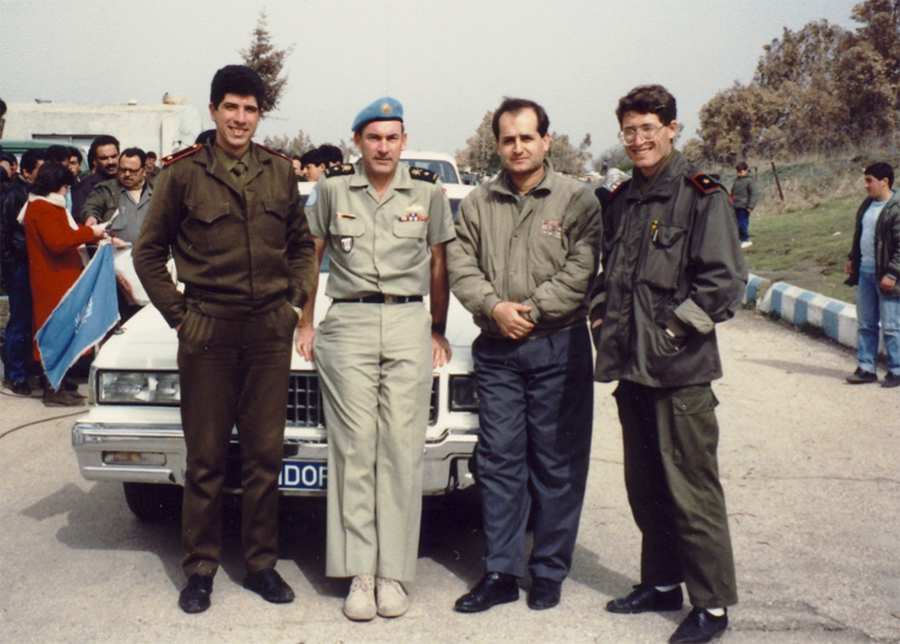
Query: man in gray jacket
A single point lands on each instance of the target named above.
(523, 264)
(672, 269)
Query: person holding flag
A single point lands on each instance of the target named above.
(52, 239)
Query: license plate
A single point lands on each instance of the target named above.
(303, 475)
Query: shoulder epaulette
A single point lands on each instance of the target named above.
(339, 170)
(275, 152)
(423, 175)
(180, 154)
(618, 189)
(705, 183)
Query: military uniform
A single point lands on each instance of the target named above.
(242, 247)
(672, 268)
(373, 354)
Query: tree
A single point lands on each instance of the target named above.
(614, 157)
(297, 145)
(480, 153)
(565, 157)
(268, 62)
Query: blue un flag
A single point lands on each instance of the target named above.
(84, 315)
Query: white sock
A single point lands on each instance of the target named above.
(665, 589)
(715, 612)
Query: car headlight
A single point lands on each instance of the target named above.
(138, 388)
(463, 393)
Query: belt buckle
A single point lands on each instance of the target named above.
(392, 299)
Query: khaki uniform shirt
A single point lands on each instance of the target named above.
(243, 247)
(539, 249)
(379, 247)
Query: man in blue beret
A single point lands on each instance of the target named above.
(385, 227)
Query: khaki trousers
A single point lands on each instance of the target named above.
(234, 372)
(374, 363)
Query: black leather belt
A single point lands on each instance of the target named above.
(381, 299)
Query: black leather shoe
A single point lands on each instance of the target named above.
(195, 596)
(544, 593)
(699, 626)
(645, 599)
(494, 588)
(269, 585)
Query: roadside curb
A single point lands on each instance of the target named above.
(803, 308)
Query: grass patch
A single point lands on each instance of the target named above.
(807, 248)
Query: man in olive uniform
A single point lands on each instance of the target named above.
(385, 227)
(230, 214)
(523, 263)
(672, 269)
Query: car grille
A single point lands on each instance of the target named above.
(304, 408)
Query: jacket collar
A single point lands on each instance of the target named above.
(503, 184)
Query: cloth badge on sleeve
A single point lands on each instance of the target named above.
(552, 227)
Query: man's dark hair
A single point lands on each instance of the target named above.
(75, 152)
(103, 139)
(330, 154)
(516, 105)
(312, 156)
(9, 157)
(648, 99)
(240, 80)
(742, 166)
(58, 153)
(135, 152)
(31, 158)
(297, 157)
(151, 155)
(882, 170)
(51, 177)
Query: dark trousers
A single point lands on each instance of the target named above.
(743, 222)
(536, 409)
(672, 477)
(18, 328)
(234, 372)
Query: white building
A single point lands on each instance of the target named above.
(162, 128)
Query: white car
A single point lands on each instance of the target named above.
(132, 431)
(444, 166)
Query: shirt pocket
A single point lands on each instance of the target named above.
(212, 228)
(411, 229)
(345, 233)
(272, 225)
(662, 265)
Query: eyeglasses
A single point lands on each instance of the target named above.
(130, 170)
(646, 132)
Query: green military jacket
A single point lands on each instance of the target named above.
(672, 268)
(242, 247)
(544, 255)
(379, 247)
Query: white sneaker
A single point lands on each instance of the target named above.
(392, 598)
(746, 244)
(360, 603)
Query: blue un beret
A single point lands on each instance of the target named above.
(384, 109)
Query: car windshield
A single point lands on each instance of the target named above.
(443, 169)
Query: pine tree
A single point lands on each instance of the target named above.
(268, 62)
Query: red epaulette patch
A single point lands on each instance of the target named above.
(275, 152)
(618, 189)
(180, 154)
(705, 183)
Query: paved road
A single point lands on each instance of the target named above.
(810, 467)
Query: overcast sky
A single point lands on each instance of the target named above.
(448, 62)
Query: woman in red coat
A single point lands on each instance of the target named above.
(54, 263)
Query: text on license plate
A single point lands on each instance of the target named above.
(303, 475)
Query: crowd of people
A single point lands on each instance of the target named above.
(542, 266)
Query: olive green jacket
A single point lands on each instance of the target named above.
(545, 256)
(242, 248)
(672, 269)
